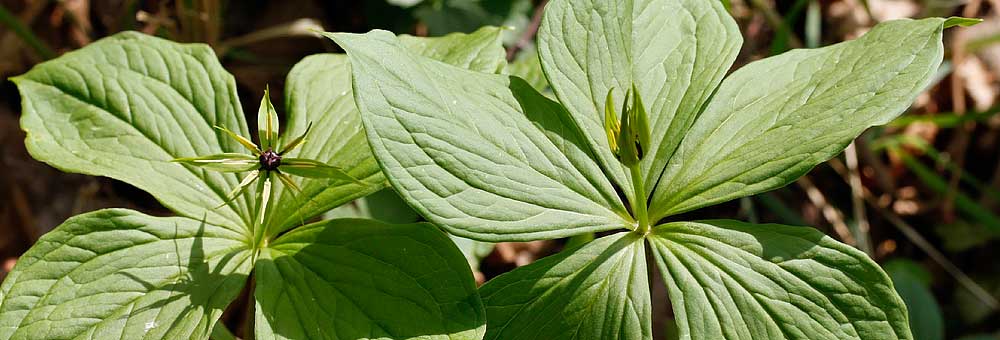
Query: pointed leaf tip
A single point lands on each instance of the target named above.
(960, 21)
(349, 40)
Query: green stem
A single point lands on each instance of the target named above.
(639, 203)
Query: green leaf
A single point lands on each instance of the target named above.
(387, 206)
(912, 282)
(960, 21)
(446, 16)
(674, 51)
(598, 291)
(482, 155)
(474, 251)
(120, 274)
(361, 279)
(773, 120)
(480, 51)
(318, 92)
(527, 66)
(225, 162)
(384, 205)
(729, 279)
(124, 106)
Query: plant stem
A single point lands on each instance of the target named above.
(639, 204)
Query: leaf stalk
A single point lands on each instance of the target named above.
(639, 204)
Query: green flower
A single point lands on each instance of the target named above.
(266, 163)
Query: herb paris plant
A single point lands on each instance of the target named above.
(126, 107)
(487, 157)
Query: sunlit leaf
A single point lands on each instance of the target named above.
(117, 273)
(361, 279)
(126, 105)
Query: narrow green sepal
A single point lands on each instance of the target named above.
(288, 182)
(241, 188)
(295, 142)
(267, 123)
(313, 169)
(264, 192)
(224, 162)
(242, 140)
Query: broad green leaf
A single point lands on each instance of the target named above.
(674, 51)
(598, 291)
(527, 66)
(318, 91)
(773, 120)
(361, 279)
(734, 280)
(474, 251)
(119, 274)
(124, 106)
(482, 155)
(446, 16)
(912, 282)
(478, 51)
(384, 205)
(387, 206)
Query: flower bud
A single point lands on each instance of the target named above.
(629, 139)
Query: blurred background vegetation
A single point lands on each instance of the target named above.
(920, 195)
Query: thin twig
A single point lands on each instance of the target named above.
(914, 236)
(529, 32)
(830, 213)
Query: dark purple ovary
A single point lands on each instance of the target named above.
(269, 160)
